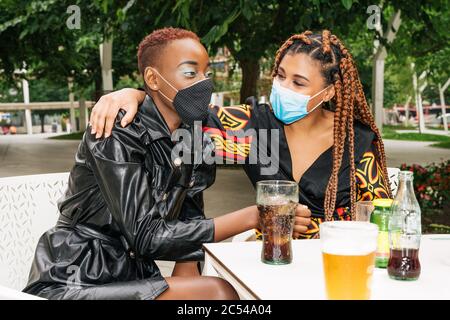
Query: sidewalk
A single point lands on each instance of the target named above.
(35, 154)
(418, 152)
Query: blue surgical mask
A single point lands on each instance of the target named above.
(290, 106)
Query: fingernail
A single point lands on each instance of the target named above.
(124, 123)
(107, 135)
(98, 136)
(93, 131)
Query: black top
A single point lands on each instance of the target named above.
(127, 204)
(260, 127)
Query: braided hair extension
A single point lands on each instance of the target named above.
(338, 69)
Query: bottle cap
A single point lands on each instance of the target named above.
(383, 203)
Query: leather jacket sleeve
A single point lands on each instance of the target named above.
(120, 168)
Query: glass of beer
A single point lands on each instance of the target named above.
(276, 201)
(348, 252)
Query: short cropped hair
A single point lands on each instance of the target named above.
(152, 45)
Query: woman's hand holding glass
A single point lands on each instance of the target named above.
(302, 220)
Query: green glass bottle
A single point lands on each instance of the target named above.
(380, 216)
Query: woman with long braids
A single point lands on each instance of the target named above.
(328, 141)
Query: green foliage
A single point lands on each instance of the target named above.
(49, 49)
(389, 133)
(439, 228)
(129, 82)
(347, 4)
(35, 33)
(70, 136)
(443, 144)
(423, 37)
(432, 189)
(218, 31)
(43, 90)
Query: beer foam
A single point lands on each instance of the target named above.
(348, 248)
(350, 238)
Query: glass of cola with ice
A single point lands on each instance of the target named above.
(276, 201)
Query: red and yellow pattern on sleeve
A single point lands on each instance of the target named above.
(370, 179)
(230, 147)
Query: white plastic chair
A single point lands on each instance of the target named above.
(27, 209)
(249, 235)
(11, 294)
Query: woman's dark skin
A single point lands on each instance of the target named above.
(312, 135)
(186, 64)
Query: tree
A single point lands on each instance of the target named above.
(35, 32)
(254, 29)
(424, 41)
(36, 35)
(423, 37)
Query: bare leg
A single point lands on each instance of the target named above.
(198, 288)
(186, 269)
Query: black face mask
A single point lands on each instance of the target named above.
(192, 103)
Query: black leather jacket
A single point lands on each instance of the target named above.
(127, 204)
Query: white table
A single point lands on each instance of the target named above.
(240, 264)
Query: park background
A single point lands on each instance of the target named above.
(58, 57)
